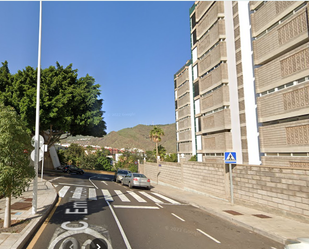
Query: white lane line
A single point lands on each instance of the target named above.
(63, 191)
(166, 198)
(125, 239)
(135, 207)
(178, 217)
(151, 197)
(92, 195)
(92, 182)
(122, 196)
(217, 241)
(77, 193)
(107, 195)
(136, 197)
(104, 182)
(79, 185)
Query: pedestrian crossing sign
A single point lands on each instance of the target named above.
(229, 157)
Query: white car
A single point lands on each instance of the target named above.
(136, 180)
(299, 243)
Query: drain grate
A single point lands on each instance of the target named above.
(262, 216)
(232, 212)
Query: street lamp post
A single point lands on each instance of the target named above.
(37, 121)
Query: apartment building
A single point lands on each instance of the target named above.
(250, 81)
(184, 112)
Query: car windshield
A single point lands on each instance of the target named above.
(123, 172)
(139, 175)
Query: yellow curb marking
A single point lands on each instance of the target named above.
(40, 231)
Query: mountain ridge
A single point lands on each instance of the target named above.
(132, 137)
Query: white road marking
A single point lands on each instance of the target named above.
(55, 186)
(92, 195)
(135, 207)
(151, 197)
(122, 196)
(92, 182)
(217, 241)
(125, 239)
(63, 191)
(159, 205)
(136, 197)
(104, 182)
(77, 193)
(107, 195)
(178, 217)
(79, 185)
(166, 198)
(55, 178)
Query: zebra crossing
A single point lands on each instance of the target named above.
(77, 192)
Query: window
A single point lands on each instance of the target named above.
(194, 38)
(196, 89)
(195, 72)
(194, 55)
(193, 21)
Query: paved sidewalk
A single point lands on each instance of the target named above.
(273, 226)
(22, 209)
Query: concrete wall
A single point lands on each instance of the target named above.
(281, 190)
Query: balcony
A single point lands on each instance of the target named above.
(285, 137)
(184, 112)
(182, 78)
(215, 99)
(286, 68)
(290, 102)
(215, 78)
(220, 120)
(201, 8)
(290, 33)
(212, 58)
(184, 100)
(185, 136)
(217, 143)
(184, 124)
(216, 11)
(185, 147)
(216, 33)
(270, 13)
(183, 89)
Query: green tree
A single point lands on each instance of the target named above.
(150, 156)
(155, 136)
(69, 105)
(171, 157)
(161, 151)
(16, 172)
(73, 153)
(193, 158)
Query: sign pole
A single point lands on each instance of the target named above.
(37, 122)
(231, 184)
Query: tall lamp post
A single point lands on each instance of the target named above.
(37, 121)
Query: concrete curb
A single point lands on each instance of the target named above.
(34, 225)
(213, 212)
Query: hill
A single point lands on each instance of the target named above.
(135, 137)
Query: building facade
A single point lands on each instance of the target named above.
(250, 82)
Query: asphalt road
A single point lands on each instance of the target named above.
(95, 212)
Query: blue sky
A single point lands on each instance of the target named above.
(132, 49)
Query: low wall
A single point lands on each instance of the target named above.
(279, 190)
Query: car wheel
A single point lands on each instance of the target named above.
(148, 187)
(130, 185)
(69, 171)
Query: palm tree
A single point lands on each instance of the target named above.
(155, 135)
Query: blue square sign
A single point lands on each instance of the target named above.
(229, 157)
